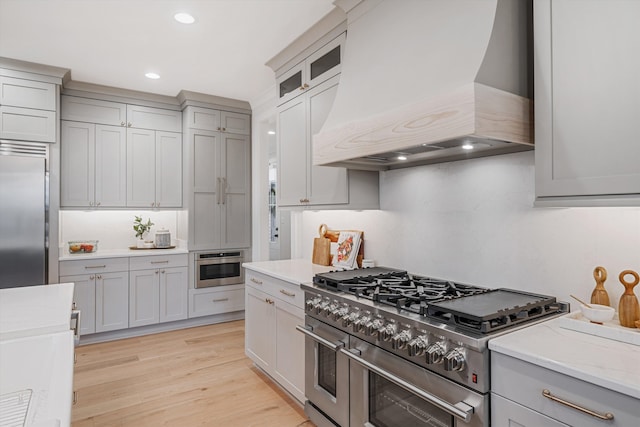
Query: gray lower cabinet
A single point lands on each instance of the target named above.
(112, 301)
(524, 394)
(158, 295)
(587, 109)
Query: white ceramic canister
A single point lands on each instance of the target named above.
(163, 238)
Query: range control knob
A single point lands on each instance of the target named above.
(340, 311)
(350, 317)
(359, 324)
(401, 339)
(454, 360)
(312, 303)
(417, 345)
(435, 353)
(322, 305)
(387, 331)
(372, 327)
(329, 308)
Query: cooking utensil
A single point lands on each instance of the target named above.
(321, 248)
(628, 308)
(580, 301)
(599, 294)
(597, 313)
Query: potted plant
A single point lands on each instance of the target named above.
(141, 228)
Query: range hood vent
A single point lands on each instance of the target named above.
(429, 81)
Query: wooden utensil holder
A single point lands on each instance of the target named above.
(599, 294)
(628, 309)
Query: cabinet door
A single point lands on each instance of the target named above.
(289, 344)
(93, 111)
(290, 84)
(27, 124)
(205, 175)
(168, 170)
(235, 227)
(112, 301)
(326, 185)
(154, 118)
(77, 164)
(174, 293)
(84, 295)
(587, 94)
(144, 297)
(260, 328)
(110, 166)
(141, 168)
(202, 118)
(325, 62)
(293, 159)
(235, 123)
(27, 93)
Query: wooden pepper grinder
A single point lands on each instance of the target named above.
(599, 294)
(628, 309)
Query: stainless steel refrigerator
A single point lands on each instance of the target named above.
(23, 216)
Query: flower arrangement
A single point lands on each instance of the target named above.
(141, 227)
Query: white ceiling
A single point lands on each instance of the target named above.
(115, 42)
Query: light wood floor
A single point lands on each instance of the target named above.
(191, 377)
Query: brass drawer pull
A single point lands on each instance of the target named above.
(87, 267)
(289, 294)
(220, 300)
(607, 417)
(160, 262)
(256, 281)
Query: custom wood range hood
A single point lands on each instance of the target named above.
(422, 78)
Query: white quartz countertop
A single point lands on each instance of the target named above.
(119, 253)
(608, 363)
(35, 310)
(295, 271)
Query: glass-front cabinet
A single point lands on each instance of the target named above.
(318, 67)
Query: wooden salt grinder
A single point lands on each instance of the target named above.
(628, 309)
(599, 294)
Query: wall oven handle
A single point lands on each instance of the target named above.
(460, 410)
(607, 416)
(308, 331)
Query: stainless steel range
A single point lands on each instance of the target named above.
(385, 348)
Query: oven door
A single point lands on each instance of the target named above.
(388, 391)
(326, 373)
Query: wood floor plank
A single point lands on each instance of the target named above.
(191, 377)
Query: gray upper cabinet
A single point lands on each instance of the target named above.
(93, 111)
(27, 110)
(154, 118)
(587, 102)
(315, 69)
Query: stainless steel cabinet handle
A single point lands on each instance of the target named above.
(75, 397)
(166, 261)
(460, 410)
(219, 189)
(220, 300)
(308, 331)
(75, 315)
(607, 416)
(223, 191)
(256, 281)
(87, 267)
(289, 294)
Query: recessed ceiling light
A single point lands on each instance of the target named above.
(467, 146)
(271, 132)
(184, 18)
(402, 157)
(153, 76)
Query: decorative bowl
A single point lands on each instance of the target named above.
(82, 246)
(597, 313)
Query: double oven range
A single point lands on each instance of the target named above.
(385, 348)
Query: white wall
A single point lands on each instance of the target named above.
(474, 221)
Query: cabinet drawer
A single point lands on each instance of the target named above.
(93, 111)
(27, 124)
(216, 302)
(505, 413)
(158, 261)
(98, 265)
(27, 94)
(154, 118)
(524, 383)
(276, 288)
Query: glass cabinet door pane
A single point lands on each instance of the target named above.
(325, 62)
(292, 83)
(390, 405)
(327, 369)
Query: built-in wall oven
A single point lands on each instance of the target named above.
(384, 348)
(219, 268)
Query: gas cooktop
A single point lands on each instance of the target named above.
(467, 307)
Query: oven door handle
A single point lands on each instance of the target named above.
(308, 331)
(460, 410)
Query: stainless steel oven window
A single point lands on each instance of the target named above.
(393, 406)
(327, 369)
